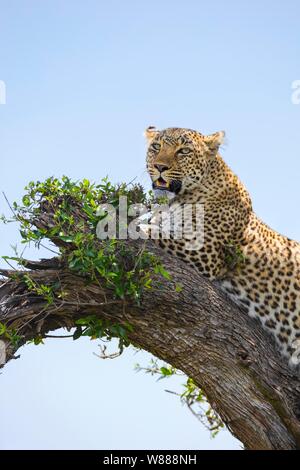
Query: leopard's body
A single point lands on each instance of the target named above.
(256, 266)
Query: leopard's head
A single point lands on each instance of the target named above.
(178, 159)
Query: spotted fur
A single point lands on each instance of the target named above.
(256, 266)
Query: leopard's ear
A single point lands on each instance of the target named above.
(213, 141)
(150, 133)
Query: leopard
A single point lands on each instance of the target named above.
(257, 267)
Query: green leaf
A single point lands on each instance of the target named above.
(77, 333)
(166, 372)
(84, 321)
(2, 329)
(129, 327)
(26, 201)
(66, 238)
(159, 269)
(38, 340)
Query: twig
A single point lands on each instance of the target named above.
(9, 205)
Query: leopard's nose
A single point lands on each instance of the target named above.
(161, 168)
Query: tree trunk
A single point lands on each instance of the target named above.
(197, 330)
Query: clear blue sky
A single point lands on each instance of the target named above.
(83, 80)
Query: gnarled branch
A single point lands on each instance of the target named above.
(197, 330)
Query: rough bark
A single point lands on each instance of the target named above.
(198, 330)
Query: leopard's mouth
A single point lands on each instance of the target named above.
(174, 186)
(160, 183)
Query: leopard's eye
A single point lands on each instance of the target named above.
(184, 151)
(155, 147)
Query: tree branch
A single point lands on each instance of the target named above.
(197, 330)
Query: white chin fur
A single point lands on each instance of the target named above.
(163, 193)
